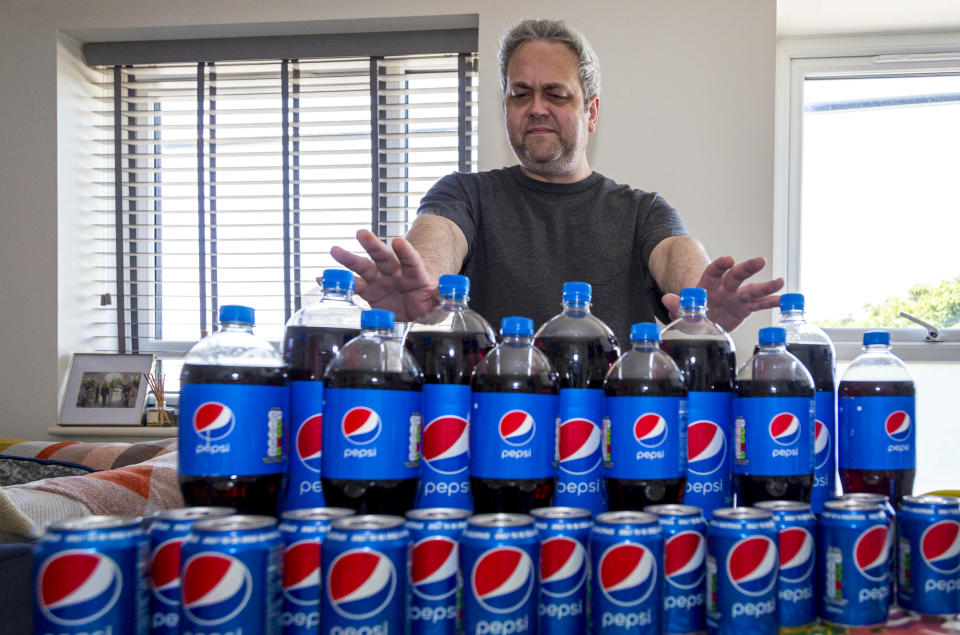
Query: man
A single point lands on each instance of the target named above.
(520, 232)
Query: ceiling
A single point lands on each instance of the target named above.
(832, 17)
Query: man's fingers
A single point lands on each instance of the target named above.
(769, 302)
(672, 302)
(357, 264)
(713, 274)
(741, 271)
(755, 291)
(409, 258)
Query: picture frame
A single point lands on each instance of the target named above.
(105, 389)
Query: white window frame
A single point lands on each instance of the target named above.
(853, 56)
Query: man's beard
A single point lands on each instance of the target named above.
(558, 163)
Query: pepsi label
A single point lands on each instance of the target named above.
(513, 436)
(709, 433)
(306, 414)
(301, 587)
(647, 438)
(444, 481)
(824, 449)
(928, 566)
(579, 474)
(228, 429)
(371, 432)
(880, 433)
(773, 436)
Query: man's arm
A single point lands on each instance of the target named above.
(440, 243)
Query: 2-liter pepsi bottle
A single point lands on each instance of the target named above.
(773, 427)
(312, 338)
(582, 349)
(447, 344)
(877, 426)
(645, 429)
(707, 357)
(513, 424)
(371, 412)
(232, 433)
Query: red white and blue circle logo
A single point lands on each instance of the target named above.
(361, 425)
(897, 425)
(706, 447)
(685, 554)
(360, 583)
(796, 554)
(433, 568)
(301, 573)
(785, 428)
(650, 430)
(940, 546)
(446, 441)
(213, 421)
(517, 427)
(871, 553)
(215, 588)
(502, 579)
(165, 571)
(752, 565)
(76, 587)
(563, 566)
(310, 442)
(628, 573)
(579, 446)
(822, 444)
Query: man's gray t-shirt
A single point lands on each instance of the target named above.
(527, 237)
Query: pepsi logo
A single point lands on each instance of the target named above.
(898, 425)
(433, 568)
(871, 553)
(684, 557)
(822, 445)
(796, 554)
(563, 566)
(628, 573)
(785, 428)
(706, 447)
(502, 579)
(446, 441)
(940, 546)
(76, 587)
(752, 565)
(579, 446)
(165, 571)
(650, 430)
(360, 583)
(310, 442)
(215, 588)
(213, 421)
(517, 427)
(301, 573)
(361, 425)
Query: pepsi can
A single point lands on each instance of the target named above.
(741, 572)
(853, 549)
(796, 528)
(230, 581)
(684, 560)
(303, 531)
(169, 529)
(891, 513)
(626, 557)
(499, 558)
(929, 554)
(90, 576)
(564, 565)
(434, 566)
(364, 564)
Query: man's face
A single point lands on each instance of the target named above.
(546, 116)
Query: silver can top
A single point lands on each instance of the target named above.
(439, 513)
(935, 500)
(194, 513)
(673, 510)
(237, 522)
(500, 520)
(367, 522)
(96, 521)
(742, 513)
(627, 518)
(851, 505)
(554, 513)
(317, 513)
(865, 496)
(783, 506)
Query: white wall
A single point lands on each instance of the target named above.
(686, 110)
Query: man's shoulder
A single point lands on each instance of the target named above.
(624, 192)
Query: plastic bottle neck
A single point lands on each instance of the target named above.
(645, 346)
(772, 347)
(454, 302)
(576, 307)
(517, 340)
(236, 327)
(876, 348)
(337, 294)
(792, 316)
(371, 331)
(693, 311)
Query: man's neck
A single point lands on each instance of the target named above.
(581, 172)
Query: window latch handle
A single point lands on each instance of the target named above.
(933, 332)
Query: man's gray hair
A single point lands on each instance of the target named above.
(558, 32)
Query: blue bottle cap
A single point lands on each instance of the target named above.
(773, 335)
(577, 292)
(377, 319)
(516, 326)
(454, 284)
(337, 279)
(644, 332)
(876, 337)
(236, 313)
(693, 296)
(791, 302)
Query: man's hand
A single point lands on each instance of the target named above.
(729, 301)
(394, 279)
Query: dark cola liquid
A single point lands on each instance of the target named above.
(252, 494)
(369, 496)
(753, 488)
(817, 359)
(581, 362)
(708, 365)
(627, 495)
(308, 350)
(512, 495)
(447, 358)
(893, 483)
